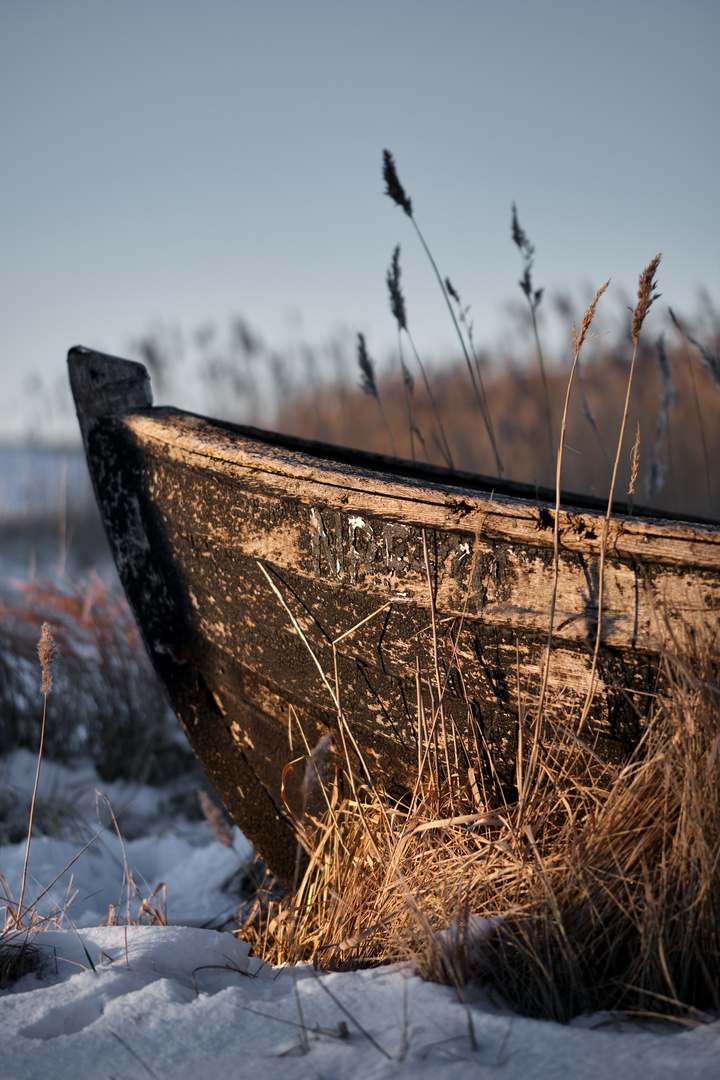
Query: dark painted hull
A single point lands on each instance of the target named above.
(245, 556)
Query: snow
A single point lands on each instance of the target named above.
(158, 847)
(182, 1000)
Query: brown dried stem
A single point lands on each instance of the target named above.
(646, 297)
(47, 651)
(395, 190)
(578, 342)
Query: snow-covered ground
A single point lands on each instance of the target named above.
(160, 846)
(179, 1002)
(182, 1001)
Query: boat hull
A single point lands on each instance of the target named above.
(286, 590)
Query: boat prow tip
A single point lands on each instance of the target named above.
(104, 385)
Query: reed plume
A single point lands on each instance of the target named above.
(399, 310)
(47, 649)
(397, 306)
(369, 386)
(395, 191)
(710, 360)
(397, 300)
(647, 295)
(216, 820)
(393, 187)
(367, 370)
(533, 296)
(634, 465)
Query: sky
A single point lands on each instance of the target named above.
(177, 162)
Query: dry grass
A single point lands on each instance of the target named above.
(605, 885)
(18, 956)
(623, 910)
(21, 921)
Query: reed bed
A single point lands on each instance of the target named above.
(515, 398)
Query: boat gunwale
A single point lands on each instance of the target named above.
(648, 536)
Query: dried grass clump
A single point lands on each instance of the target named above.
(108, 702)
(599, 891)
(625, 912)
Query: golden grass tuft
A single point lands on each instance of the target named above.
(600, 890)
(623, 912)
(634, 465)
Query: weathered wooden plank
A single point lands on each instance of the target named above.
(373, 543)
(191, 441)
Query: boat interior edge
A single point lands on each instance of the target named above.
(437, 474)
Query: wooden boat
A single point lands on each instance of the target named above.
(269, 574)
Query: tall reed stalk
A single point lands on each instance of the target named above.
(47, 651)
(647, 295)
(395, 190)
(399, 310)
(578, 342)
(397, 306)
(368, 385)
(533, 297)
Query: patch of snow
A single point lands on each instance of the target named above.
(158, 848)
(177, 1002)
(181, 1003)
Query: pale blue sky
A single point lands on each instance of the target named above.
(182, 161)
